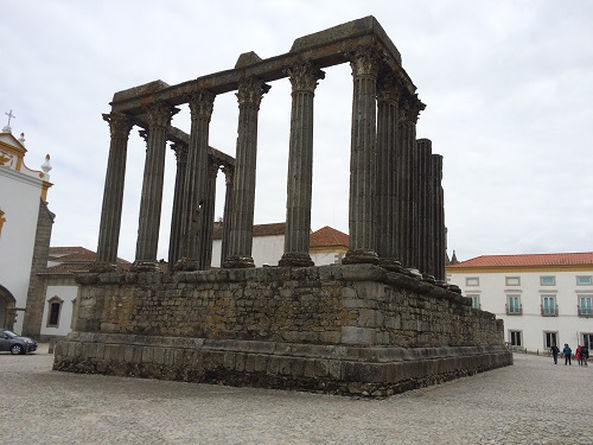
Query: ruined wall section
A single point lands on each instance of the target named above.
(350, 305)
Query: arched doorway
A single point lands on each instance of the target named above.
(7, 309)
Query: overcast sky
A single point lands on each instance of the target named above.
(508, 87)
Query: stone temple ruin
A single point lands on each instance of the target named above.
(373, 325)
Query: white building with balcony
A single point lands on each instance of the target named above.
(542, 298)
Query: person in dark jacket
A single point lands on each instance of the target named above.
(555, 350)
(585, 353)
(567, 353)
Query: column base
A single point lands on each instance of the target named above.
(428, 278)
(360, 256)
(392, 265)
(102, 267)
(145, 266)
(238, 262)
(186, 265)
(296, 259)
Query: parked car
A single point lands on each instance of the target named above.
(9, 341)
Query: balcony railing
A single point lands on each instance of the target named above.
(585, 311)
(549, 311)
(514, 310)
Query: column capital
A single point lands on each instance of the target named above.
(411, 107)
(201, 104)
(180, 151)
(389, 88)
(120, 124)
(228, 174)
(304, 76)
(365, 62)
(159, 114)
(251, 91)
(213, 170)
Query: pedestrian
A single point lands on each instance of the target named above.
(585, 354)
(567, 353)
(579, 355)
(555, 350)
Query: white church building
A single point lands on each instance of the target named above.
(25, 230)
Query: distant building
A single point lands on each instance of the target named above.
(25, 231)
(543, 299)
(60, 289)
(326, 245)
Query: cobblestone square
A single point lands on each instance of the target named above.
(531, 402)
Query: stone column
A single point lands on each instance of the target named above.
(159, 118)
(196, 180)
(208, 219)
(226, 217)
(387, 132)
(175, 238)
(424, 148)
(407, 182)
(300, 166)
(249, 96)
(439, 218)
(113, 193)
(363, 240)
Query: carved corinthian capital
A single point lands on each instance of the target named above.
(251, 91)
(304, 77)
(412, 106)
(120, 124)
(365, 62)
(180, 152)
(201, 104)
(388, 88)
(160, 114)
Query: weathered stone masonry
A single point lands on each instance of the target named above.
(383, 322)
(348, 329)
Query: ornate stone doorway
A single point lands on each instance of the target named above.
(7, 309)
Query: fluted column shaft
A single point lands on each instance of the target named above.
(208, 219)
(407, 190)
(226, 217)
(176, 217)
(300, 166)
(249, 95)
(196, 179)
(387, 133)
(439, 218)
(159, 118)
(424, 149)
(363, 241)
(109, 229)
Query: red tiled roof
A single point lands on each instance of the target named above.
(73, 259)
(539, 259)
(272, 229)
(328, 236)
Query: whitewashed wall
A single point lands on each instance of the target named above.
(68, 295)
(493, 294)
(19, 200)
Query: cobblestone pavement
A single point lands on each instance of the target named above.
(531, 402)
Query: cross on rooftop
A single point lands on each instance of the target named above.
(10, 116)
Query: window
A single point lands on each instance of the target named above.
(586, 305)
(53, 311)
(588, 340)
(514, 305)
(550, 339)
(584, 280)
(475, 301)
(548, 306)
(472, 281)
(515, 338)
(547, 281)
(512, 281)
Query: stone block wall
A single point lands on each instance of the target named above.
(350, 329)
